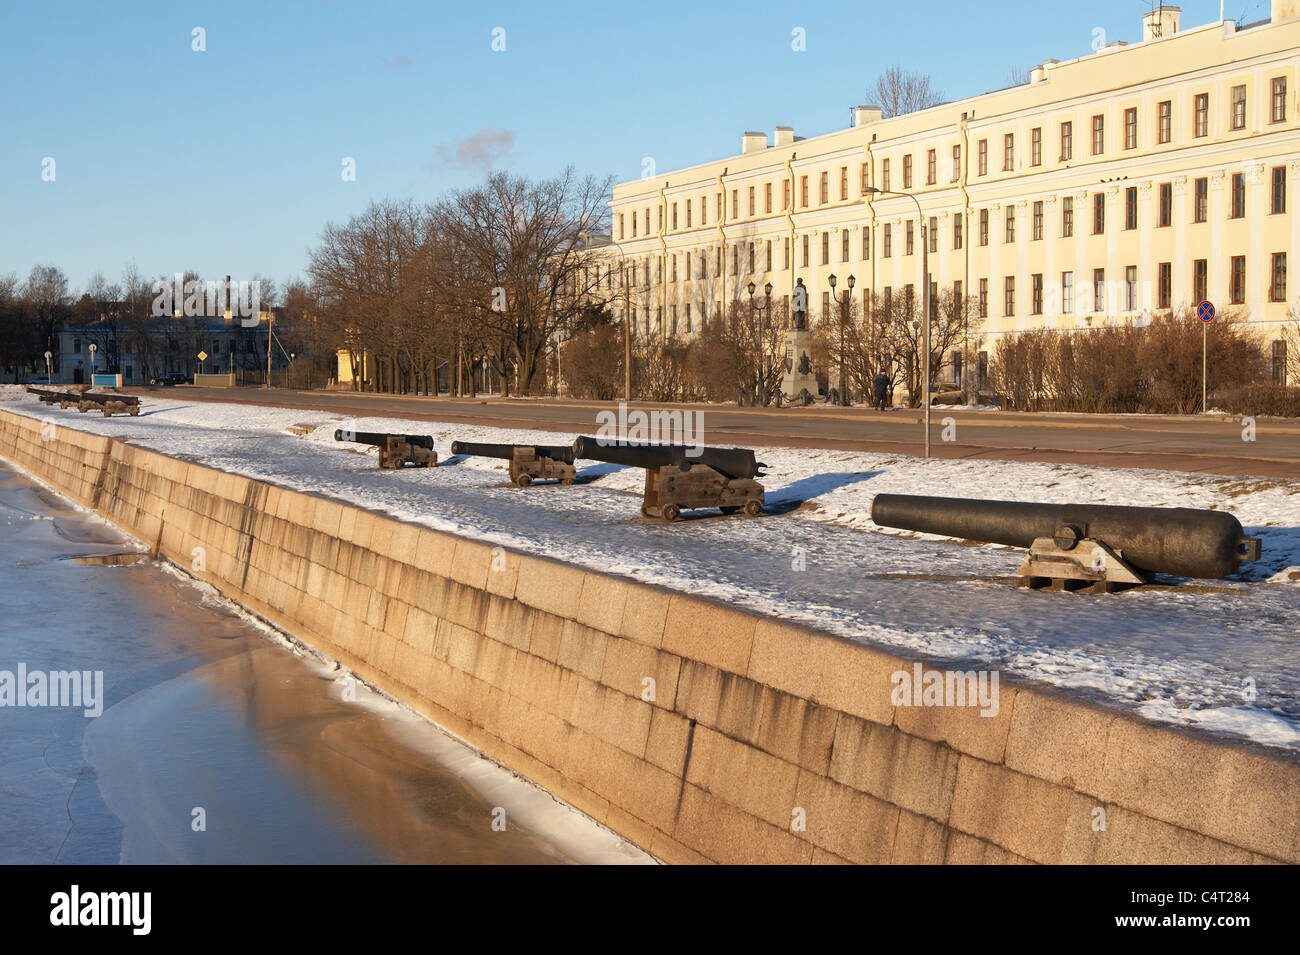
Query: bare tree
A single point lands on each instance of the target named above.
(898, 92)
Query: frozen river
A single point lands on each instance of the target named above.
(216, 742)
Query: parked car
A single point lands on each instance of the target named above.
(38, 380)
(174, 378)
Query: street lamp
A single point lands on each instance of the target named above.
(93, 348)
(925, 280)
(49, 369)
(762, 352)
(844, 308)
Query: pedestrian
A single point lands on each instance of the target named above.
(881, 383)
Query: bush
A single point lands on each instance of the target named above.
(1257, 400)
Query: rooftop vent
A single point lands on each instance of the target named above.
(1161, 22)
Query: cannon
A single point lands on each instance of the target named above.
(395, 450)
(109, 403)
(528, 462)
(680, 477)
(1097, 548)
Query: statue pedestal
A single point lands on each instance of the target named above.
(798, 375)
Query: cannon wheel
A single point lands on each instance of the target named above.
(645, 511)
(524, 480)
(753, 508)
(671, 512)
(729, 509)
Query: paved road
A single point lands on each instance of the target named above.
(1181, 443)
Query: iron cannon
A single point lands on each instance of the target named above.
(679, 476)
(395, 450)
(528, 462)
(1075, 546)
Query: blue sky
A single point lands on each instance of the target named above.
(228, 161)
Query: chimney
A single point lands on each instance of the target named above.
(784, 136)
(1285, 10)
(863, 115)
(1162, 22)
(753, 142)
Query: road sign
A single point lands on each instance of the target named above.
(1205, 311)
(203, 356)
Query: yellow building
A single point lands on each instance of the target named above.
(1139, 178)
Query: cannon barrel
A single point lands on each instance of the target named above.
(734, 463)
(379, 438)
(556, 452)
(1181, 541)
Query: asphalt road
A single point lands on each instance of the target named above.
(1214, 444)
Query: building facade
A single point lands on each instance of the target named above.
(1141, 178)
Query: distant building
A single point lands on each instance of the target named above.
(1138, 179)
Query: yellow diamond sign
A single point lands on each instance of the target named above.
(203, 356)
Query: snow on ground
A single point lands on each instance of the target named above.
(1220, 656)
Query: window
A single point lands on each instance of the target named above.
(634, 223)
(674, 217)
(785, 255)
(735, 260)
(1098, 290)
(785, 194)
(751, 259)
(1038, 221)
(888, 249)
(933, 234)
(1166, 205)
(866, 243)
(983, 157)
(1238, 195)
(826, 304)
(844, 245)
(688, 318)
(1131, 207)
(956, 163)
(931, 167)
(1009, 295)
(1278, 113)
(1009, 224)
(824, 188)
(844, 182)
(1098, 213)
(1067, 293)
(1098, 135)
(984, 227)
(1279, 362)
(1009, 152)
(735, 203)
(1036, 294)
(704, 211)
(1165, 129)
(957, 222)
(826, 248)
(1166, 290)
(1239, 107)
(767, 199)
(805, 252)
(620, 226)
(673, 270)
(863, 187)
(1238, 285)
(672, 315)
(803, 191)
(1130, 129)
(767, 256)
(1131, 288)
(984, 298)
(907, 171)
(911, 235)
(1067, 142)
(1067, 217)
(1279, 190)
(753, 206)
(1201, 280)
(1201, 202)
(688, 213)
(1277, 288)
(1036, 146)
(884, 174)
(1201, 117)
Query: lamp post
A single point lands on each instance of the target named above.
(765, 308)
(49, 369)
(925, 298)
(93, 349)
(844, 308)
